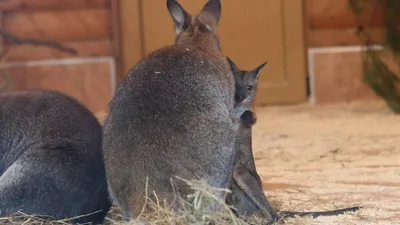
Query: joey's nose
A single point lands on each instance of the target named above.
(238, 98)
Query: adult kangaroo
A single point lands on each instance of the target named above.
(51, 161)
(172, 116)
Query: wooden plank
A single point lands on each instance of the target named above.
(132, 37)
(2, 47)
(87, 82)
(84, 48)
(336, 14)
(52, 4)
(68, 25)
(339, 37)
(295, 55)
(116, 37)
(277, 22)
(338, 77)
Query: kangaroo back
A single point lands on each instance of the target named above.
(171, 116)
(50, 157)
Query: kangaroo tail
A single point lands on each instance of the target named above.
(320, 213)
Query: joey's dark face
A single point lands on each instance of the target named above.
(246, 83)
(246, 86)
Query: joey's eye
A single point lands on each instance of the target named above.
(249, 87)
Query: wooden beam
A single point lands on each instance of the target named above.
(88, 82)
(52, 4)
(91, 48)
(336, 14)
(116, 38)
(339, 37)
(69, 25)
(131, 34)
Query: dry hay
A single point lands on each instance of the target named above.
(20, 218)
(193, 210)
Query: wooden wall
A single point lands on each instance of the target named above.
(91, 27)
(334, 58)
(85, 25)
(332, 23)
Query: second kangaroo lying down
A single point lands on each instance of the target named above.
(51, 161)
(247, 196)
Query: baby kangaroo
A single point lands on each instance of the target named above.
(245, 176)
(50, 157)
(172, 116)
(247, 196)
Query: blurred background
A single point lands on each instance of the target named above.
(311, 45)
(334, 144)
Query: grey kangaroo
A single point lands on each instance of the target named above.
(247, 196)
(172, 116)
(50, 157)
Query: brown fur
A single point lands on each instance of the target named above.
(172, 116)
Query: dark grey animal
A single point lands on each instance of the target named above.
(172, 116)
(244, 176)
(247, 196)
(50, 157)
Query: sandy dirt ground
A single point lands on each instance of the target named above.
(328, 157)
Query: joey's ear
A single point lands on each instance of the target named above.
(179, 15)
(213, 7)
(232, 64)
(257, 70)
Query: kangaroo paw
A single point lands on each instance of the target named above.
(248, 118)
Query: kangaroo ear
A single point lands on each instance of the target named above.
(179, 15)
(257, 71)
(232, 64)
(213, 7)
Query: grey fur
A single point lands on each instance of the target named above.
(172, 116)
(247, 196)
(247, 193)
(50, 157)
(246, 83)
